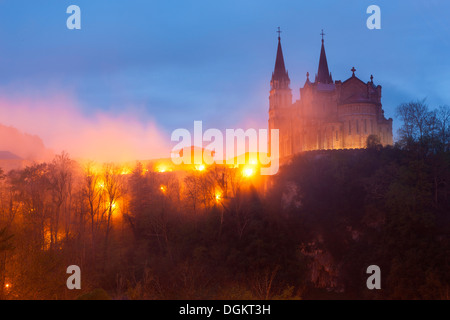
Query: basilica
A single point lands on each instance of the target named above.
(329, 114)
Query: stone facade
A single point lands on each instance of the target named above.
(329, 115)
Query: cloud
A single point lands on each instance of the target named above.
(103, 137)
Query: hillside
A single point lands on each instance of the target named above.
(16, 144)
(6, 155)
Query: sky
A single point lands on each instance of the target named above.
(159, 65)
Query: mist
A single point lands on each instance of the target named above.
(57, 123)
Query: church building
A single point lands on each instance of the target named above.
(329, 114)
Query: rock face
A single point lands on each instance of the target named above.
(323, 270)
(16, 145)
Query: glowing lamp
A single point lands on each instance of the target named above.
(248, 172)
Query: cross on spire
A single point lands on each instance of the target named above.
(322, 34)
(280, 76)
(353, 70)
(323, 74)
(279, 33)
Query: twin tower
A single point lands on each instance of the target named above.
(328, 115)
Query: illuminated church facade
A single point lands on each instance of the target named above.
(329, 114)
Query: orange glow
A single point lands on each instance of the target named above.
(115, 209)
(163, 168)
(200, 167)
(163, 189)
(125, 171)
(218, 196)
(7, 286)
(248, 172)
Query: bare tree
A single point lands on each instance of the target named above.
(5, 245)
(262, 282)
(415, 118)
(61, 182)
(114, 187)
(93, 192)
(443, 116)
(192, 191)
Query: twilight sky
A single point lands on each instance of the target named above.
(170, 62)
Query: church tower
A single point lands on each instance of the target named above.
(280, 102)
(323, 75)
(280, 92)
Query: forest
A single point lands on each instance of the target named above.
(309, 232)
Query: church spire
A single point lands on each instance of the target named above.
(280, 77)
(323, 74)
(280, 92)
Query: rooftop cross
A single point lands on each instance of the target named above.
(322, 34)
(279, 33)
(353, 70)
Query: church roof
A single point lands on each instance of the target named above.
(280, 72)
(354, 90)
(323, 74)
(325, 86)
(354, 77)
